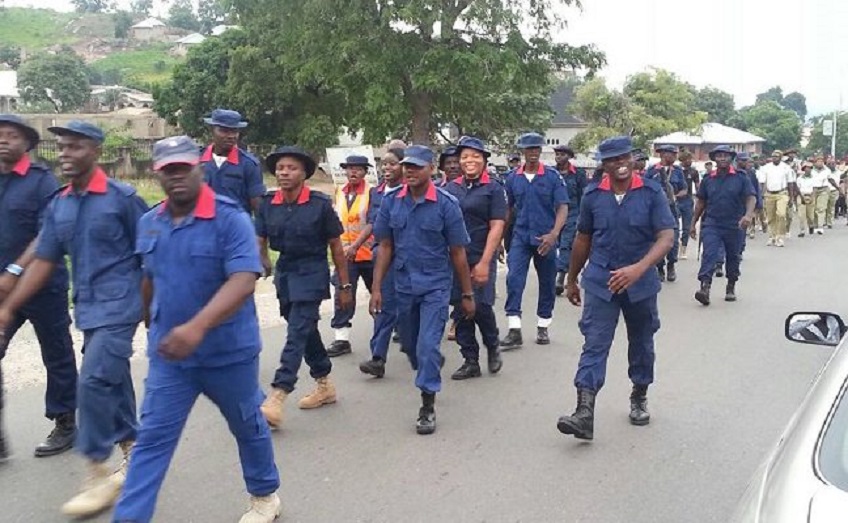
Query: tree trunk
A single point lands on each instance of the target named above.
(421, 107)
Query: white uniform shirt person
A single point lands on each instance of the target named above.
(777, 180)
(806, 200)
(821, 177)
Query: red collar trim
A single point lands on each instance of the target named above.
(22, 167)
(482, 180)
(204, 209)
(636, 182)
(539, 172)
(232, 157)
(302, 198)
(429, 195)
(97, 184)
(714, 173)
(571, 168)
(359, 189)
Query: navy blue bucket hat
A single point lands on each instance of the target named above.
(531, 140)
(79, 128)
(614, 147)
(293, 151)
(225, 118)
(472, 142)
(356, 161)
(31, 134)
(722, 149)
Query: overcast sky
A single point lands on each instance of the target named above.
(741, 46)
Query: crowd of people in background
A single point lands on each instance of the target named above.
(425, 241)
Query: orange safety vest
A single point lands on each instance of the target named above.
(354, 220)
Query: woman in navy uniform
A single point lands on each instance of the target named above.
(484, 208)
(300, 224)
(625, 228)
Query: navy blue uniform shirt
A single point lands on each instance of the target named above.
(97, 229)
(422, 233)
(239, 177)
(724, 195)
(676, 179)
(481, 201)
(25, 193)
(300, 232)
(535, 204)
(188, 263)
(622, 233)
(575, 181)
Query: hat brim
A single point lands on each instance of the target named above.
(64, 131)
(530, 146)
(217, 123)
(31, 134)
(346, 165)
(308, 163)
(418, 162)
(485, 152)
(187, 159)
(615, 153)
(713, 154)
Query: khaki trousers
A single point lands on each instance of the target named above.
(822, 197)
(806, 213)
(776, 204)
(832, 196)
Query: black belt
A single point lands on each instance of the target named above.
(777, 192)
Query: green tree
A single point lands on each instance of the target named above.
(91, 6)
(779, 126)
(141, 7)
(182, 15)
(775, 94)
(662, 105)
(123, 21)
(717, 104)
(608, 111)
(797, 102)
(11, 56)
(59, 78)
(422, 63)
(819, 143)
(211, 13)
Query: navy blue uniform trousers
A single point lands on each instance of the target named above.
(484, 318)
(721, 243)
(170, 393)
(566, 240)
(303, 342)
(106, 396)
(518, 263)
(598, 324)
(48, 314)
(355, 270)
(421, 322)
(386, 320)
(686, 208)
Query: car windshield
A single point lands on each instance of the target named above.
(833, 456)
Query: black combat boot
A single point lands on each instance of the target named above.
(719, 270)
(339, 348)
(375, 367)
(560, 283)
(730, 293)
(469, 369)
(495, 360)
(426, 423)
(512, 340)
(542, 337)
(703, 295)
(581, 424)
(639, 414)
(4, 447)
(672, 273)
(661, 272)
(61, 438)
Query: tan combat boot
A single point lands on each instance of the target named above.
(324, 394)
(263, 509)
(120, 475)
(683, 252)
(99, 492)
(272, 407)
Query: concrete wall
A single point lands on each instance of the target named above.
(139, 126)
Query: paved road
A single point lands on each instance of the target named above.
(727, 383)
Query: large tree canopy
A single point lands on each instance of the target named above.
(411, 67)
(59, 79)
(779, 126)
(717, 104)
(819, 143)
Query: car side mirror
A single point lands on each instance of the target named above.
(816, 328)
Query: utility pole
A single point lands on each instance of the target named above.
(833, 137)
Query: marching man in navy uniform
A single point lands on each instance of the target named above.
(575, 181)
(93, 221)
(200, 262)
(484, 208)
(300, 224)
(625, 228)
(422, 230)
(726, 201)
(26, 189)
(538, 202)
(673, 182)
(229, 170)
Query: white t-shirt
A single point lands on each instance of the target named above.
(219, 160)
(821, 177)
(776, 177)
(806, 184)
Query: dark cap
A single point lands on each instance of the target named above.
(472, 142)
(514, 157)
(531, 140)
(418, 155)
(614, 147)
(743, 157)
(79, 128)
(176, 149)
(722, 149)
(225, 118)
(293, 151)
(17, 121)
(665, 148)
(564, 149)
(356, 161)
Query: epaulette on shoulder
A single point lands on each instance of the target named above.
(249, 156)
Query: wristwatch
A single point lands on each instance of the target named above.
(346, 287)
(468, 296)
(14, 268)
